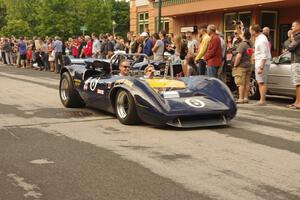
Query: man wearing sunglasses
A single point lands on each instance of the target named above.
(124, 67)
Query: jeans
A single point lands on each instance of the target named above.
(58, 56)
(212, 71)
(3, 57)
(8, 58)
(201, 69)
(46, 63)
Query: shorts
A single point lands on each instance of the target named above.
(242, 75)
(263, 77)
(295, 69)
(23, 56)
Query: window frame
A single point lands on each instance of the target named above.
(164, 20)
(144, 21)
(275, 47)
(237, 15)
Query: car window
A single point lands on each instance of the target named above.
(285, 58)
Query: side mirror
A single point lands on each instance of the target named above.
(276, 60)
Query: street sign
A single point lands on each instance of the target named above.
(83, 28)
(192, 29)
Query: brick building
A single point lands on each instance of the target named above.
(181, 15)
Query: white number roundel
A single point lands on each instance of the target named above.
(197, 103)
(93, 83)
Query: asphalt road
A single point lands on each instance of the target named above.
(50, 152)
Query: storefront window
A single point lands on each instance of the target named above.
(164, 24)
(269, 19)
(283, 34)
(245, 17)
(229, 27)
(143, 22)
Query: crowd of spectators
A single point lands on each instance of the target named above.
(204, 53)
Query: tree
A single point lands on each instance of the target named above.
(64, 17)
(21, 9)
(3, 14)
(53, 18)
(17, 28)
(97, 16)
(121, 16)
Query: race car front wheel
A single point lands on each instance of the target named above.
(125, 108)
(68, 94)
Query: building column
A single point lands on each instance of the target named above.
(152, 16)
(133, 16)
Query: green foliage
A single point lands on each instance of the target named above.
(121, 16)
(97, 16)
(17, 28)
(55, 18)
(2, 14)
(21, 9)
(63, 17)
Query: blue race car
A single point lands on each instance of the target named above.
(195, 101)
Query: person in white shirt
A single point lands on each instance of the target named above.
(192, 43)
(96, 46)
(262, 57)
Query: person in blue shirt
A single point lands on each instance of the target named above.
(58, 48)
(22, 51)
(148, 44)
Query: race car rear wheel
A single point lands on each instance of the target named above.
(67, 92)
(125, 108)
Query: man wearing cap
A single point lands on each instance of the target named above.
(148, 44)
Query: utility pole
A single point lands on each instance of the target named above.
(159, 15)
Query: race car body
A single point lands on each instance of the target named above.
(196, 101)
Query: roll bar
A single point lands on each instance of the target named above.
(168, 66)
(126, 55)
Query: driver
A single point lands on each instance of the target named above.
(149, 71)
(124, 67)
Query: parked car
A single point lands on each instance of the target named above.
(279, 78)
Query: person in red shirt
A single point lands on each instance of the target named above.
(75, 46)
(88, 49)
(29, 57)
(213, 55)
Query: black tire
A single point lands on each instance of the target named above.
(125, 108)
(68, 94)
(254, 90)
